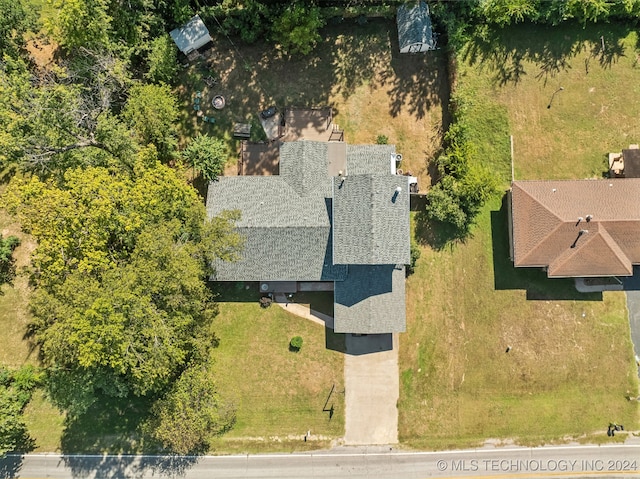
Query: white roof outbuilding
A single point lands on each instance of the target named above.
(191, 36)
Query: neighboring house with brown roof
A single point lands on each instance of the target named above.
(576, 228)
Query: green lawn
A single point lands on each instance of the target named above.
(567, 374)
(279, 394)
(571, 363)
(512, 76)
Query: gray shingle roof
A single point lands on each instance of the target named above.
(287, 221)
(303, 165)
(283, 254)
(288, 237)
(370, 300)
(370, 159)
(371, 224)
(414, 25)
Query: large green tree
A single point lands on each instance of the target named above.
(80, 23)
(15, 20)
(95, 217)
(64, 118)
(207, 155)
(121, 305)
(152, 111)
(163, 60)
(297, 27)
(191, 413)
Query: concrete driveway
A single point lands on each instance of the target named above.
(632, 290)
(372, 388)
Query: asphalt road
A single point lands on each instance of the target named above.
(564, 461)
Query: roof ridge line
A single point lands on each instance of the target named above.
(541, 242)
(613, 245)
(562, 259)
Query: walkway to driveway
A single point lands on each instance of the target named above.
(372, 384)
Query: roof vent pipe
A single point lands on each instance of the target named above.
(589, 218)
(398, 189)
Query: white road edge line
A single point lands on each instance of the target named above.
(335, 454)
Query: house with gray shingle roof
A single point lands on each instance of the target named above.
(576, 228)
(336, 213)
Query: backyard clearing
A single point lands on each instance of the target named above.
(570, 369)
(356, 69)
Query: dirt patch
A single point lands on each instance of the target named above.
(42, 54)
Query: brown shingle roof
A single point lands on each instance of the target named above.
(546, 230)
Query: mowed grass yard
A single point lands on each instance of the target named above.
(280, 395)
(571, 366)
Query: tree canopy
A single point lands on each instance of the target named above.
(191, 413)
(207, 155)
(152, 111)
(296, 28)
(120, 267)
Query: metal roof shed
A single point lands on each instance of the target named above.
(415, 33)
(191, 36)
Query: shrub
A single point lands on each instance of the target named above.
(415, 256)
(206, 154)
(248, 19)
(26, 378)
(191, 413)
(5, 377)
(382, 139)
(265, 301)
(295, 344)
(7, 263)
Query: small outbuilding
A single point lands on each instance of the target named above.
(191, 36)
(415, 32)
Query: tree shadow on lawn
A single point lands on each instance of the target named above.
(114, 426)
(505, 50)
(437, 235)
(109, 425)
(535, 281)
(235, 291)
(419, 82)
(253, 77)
